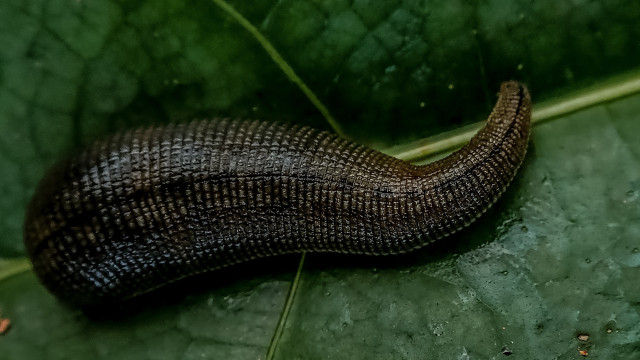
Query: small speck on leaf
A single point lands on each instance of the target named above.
(584, 353)
(506, 351)
(5, 324)
(583, 337)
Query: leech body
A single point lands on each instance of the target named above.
(147, 207)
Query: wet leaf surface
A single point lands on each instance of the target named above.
(557, 258)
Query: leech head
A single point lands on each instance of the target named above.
(513, 102)
(510, 117)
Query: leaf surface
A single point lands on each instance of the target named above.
(557, 257)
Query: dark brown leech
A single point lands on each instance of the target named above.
(150, 206)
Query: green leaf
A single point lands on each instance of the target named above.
(558, 256)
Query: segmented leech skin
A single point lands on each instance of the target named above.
(147, 207)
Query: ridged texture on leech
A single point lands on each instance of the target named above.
(147, 207)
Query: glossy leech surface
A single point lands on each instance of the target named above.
(147, 207)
